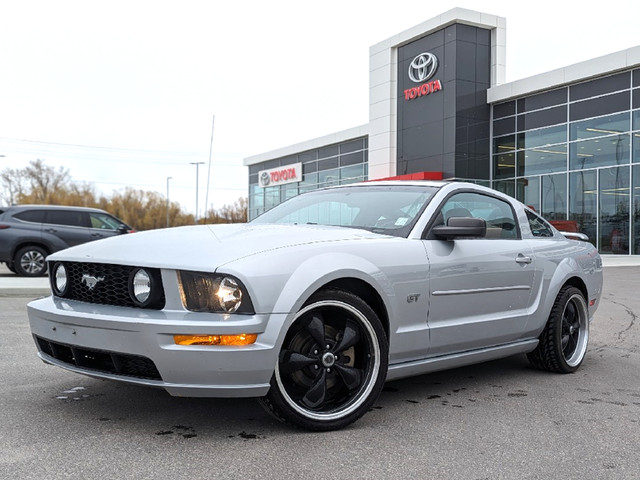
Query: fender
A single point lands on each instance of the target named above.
(555, 276)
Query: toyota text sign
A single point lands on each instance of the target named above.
(280, 175)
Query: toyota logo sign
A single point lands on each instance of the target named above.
(423, 67)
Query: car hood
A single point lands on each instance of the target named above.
(204, 247)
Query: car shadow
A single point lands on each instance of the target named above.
(153, 411)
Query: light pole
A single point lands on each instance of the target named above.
(168, 178)
(197, 164)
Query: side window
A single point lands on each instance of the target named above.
(104, 221)
(539, 228)
(70, 218)
(497, 213)
(35, 216)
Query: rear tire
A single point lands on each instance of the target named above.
(332, 365)
(564, 340)
(30, 261)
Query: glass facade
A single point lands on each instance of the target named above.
(573, 154)
(330, 165)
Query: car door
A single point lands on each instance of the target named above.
(70, 226)
(480, 288)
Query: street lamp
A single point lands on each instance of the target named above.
(168, 178)
(197, 164)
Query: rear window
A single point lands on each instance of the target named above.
(35, 216)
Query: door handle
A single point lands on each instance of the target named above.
(522, 259)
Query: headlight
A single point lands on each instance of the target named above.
(59, 280)
(206, 292)
(145, 287)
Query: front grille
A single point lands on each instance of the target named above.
(110, 285)
(100, 360)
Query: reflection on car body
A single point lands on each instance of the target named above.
(313, 305)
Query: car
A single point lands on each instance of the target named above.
(314, 305)
(28, 233)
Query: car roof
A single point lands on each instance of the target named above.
(54, 207)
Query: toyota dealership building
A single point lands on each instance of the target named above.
(565, 142)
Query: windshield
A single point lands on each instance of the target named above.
(387, 209)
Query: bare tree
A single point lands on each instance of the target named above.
(12, 186)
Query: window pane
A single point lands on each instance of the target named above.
(543, 118)
(539, 228)
(543, 136)
(600, 152)
(636, 148)
(599, 106)
(330, 151)
(307, 157)
(554, 197)
(287, 191)
(504, 109)
(328, 163)
(35, 216)
(542, 100)
(599, 86)
(329, 178)
(352, 172)
(351, 159)
(504, 165)
(636, 120)
(351, 146)
(597, 127)
(505, 186)
(67, 217)
(271, 197)
(104, 221)
(504, 126)
(614, 210)
(504, 144)
(497, 213)
(528, 192)
(583, 197)
(543, 160)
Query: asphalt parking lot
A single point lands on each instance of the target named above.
(498, 420)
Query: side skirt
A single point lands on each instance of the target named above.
(445, 362)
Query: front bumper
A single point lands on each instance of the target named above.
(83, 337)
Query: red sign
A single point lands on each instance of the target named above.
(422, 90)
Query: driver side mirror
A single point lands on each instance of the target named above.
(461, 227)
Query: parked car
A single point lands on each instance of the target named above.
(28, 233)
(315, 304)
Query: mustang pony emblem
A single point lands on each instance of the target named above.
(91, 281)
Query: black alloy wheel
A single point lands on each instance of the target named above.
(332, 365)
(564, 340)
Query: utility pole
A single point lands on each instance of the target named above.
(197, 164)
(206, 197)
(168, 178)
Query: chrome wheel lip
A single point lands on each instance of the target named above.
(583, 330)
(32, 261)
(369, 381)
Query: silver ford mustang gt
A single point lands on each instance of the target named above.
(313, 305)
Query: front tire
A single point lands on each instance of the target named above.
(30, 262)
(332, 365)
(564, 340)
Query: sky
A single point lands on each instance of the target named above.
(128, 93)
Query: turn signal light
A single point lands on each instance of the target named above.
(226, 340)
